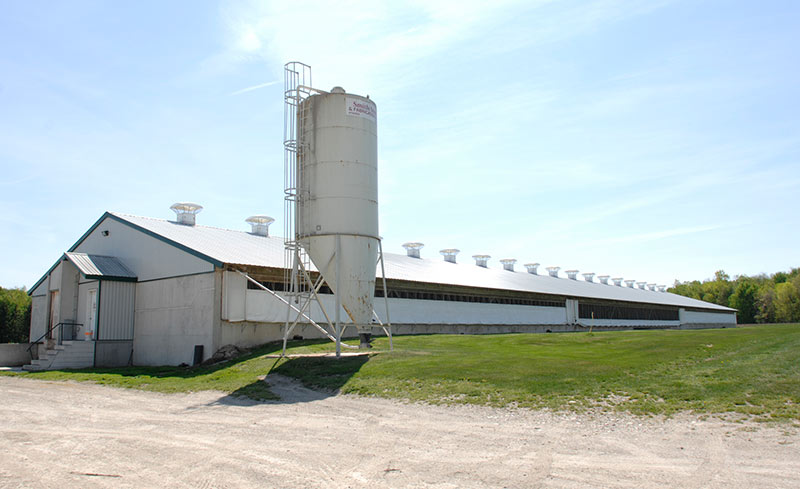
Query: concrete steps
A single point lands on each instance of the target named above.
(69, 354)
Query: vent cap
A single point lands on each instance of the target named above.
(572, 274)
(617, 281)
(603, 279)
(629, 283)
(588, 276)
(259, 225)
(481, 260)
(532, 268)
(553, 271)
(449, 254)
(186, 212)
(412, 248)
(508, 264)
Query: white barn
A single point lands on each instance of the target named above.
(144, 291)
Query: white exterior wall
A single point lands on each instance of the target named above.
(696, 317)
(263, 307)
(55, 278)
(571, 311)
(234, 289)
(38, 316)
(415, 311)
(69, 292)
(242, 304)
(39, 309)
(64, 279)
(172, 316)
(42, 289)
(148, 257)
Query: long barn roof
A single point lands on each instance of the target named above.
(243, 248)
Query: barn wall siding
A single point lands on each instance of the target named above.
(172, 316)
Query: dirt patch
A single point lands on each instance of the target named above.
(60, 434)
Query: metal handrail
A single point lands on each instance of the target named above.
(52, 328)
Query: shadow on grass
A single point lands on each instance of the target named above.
(190, 372)
(255, 377)
(308, 379)
(297, 380)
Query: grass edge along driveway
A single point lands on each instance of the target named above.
(752, 370)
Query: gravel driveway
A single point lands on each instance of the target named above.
(76, 435)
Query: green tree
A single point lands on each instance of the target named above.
(787, 301)
(15, 315)
(693, 289)
(721, 288)
(780, 277)
(761, 299)
(744, 298)
(766, 304)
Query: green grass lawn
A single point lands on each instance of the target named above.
(752, 370)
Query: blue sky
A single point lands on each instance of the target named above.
(653, 140)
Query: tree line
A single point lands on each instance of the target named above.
(760, 299)
(15, 315)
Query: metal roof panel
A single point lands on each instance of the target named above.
(244, 248)
(97, 266)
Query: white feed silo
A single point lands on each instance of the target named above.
(337, 197)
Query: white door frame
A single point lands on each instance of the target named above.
(89, 328)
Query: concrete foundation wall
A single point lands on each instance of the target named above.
(401, 329)
(113, 353)
(707, 325)
(172, 316)
(247, 334)
(476, 329)
(626, 323)
(14, 354)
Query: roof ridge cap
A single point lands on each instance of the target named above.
(123, 216)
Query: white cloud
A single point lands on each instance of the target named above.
(363, 44)
(254, 87)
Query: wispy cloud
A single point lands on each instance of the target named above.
(383, 44)
(254, 87)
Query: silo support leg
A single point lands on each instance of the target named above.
(388, 328)
(338, 328)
